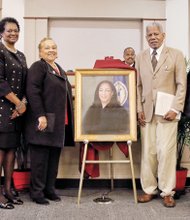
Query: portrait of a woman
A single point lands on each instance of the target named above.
(106, 115)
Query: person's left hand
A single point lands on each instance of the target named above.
(141, 119)
(170, 116)
(42, 123)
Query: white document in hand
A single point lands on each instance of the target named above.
(164, 103)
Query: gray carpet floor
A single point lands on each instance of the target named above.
(122, 207)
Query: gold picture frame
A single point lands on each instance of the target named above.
(86, 86)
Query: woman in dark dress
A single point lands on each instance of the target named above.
(48, 118)
(13, 70)
(106, 115)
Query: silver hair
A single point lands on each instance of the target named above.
(154, 24)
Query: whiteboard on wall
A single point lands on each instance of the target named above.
(82, 42)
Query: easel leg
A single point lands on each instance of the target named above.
(132, 171)
(82, 171)
(111, 168)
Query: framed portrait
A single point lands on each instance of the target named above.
(105, 105)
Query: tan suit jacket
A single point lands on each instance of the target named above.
(169, 76)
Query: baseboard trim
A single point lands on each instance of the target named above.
(93, 183)
(102, 183)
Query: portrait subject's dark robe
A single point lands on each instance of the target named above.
(108, 120)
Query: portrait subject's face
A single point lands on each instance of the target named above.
(105, 94)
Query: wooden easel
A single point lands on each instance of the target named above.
(111, 162)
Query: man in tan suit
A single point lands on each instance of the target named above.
(159, 68)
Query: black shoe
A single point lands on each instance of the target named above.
(14, 192)
(6, 205)
(41, 201)
(53, 197)
(14, 200)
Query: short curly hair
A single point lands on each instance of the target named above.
(6, 20)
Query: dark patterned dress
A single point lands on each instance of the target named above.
(13, 71)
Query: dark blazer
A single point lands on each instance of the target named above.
(48, 95)
(13, 70)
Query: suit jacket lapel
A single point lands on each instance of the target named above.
(148, 59)
(162, 59)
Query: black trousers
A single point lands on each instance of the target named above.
(44, 168)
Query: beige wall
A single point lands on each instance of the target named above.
(82, 42)
(96, 9)
(123, 10)
(177, 26)
(17, 11)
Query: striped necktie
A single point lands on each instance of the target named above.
(154, 60)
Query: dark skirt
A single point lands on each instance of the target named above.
(9, 140)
